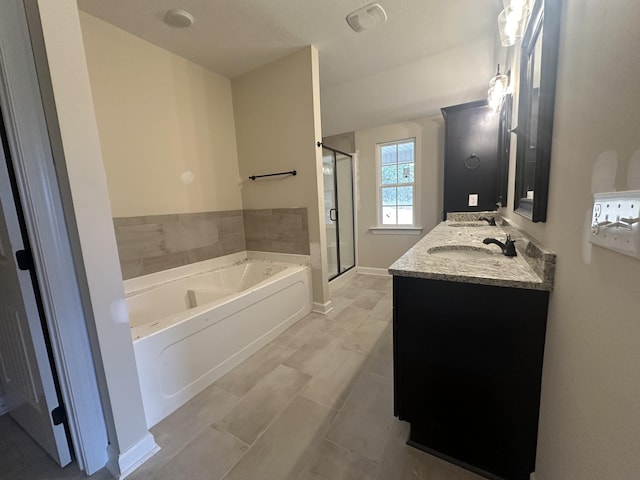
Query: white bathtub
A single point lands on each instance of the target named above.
(190, 325)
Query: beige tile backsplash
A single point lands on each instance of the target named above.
(149, 244)
(282, 230)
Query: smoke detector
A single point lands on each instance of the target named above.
(367, 17)
(178, 18)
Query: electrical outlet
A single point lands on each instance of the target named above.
(615, 222)
(473, 199)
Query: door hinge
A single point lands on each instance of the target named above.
(58, 415)
(24, 259)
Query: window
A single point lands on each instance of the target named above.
(396, 183)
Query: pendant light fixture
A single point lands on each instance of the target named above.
(512, 21)
(497, 90)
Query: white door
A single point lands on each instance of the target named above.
(25, 370)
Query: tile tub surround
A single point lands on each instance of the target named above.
(533, 268)
(281, 230)
(153, 243)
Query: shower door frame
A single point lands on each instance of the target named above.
(337, 209)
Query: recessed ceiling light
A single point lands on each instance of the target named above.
(179, 18)
(367, 17)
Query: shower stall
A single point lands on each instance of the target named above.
(337, 170)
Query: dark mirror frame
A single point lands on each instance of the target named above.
(545, 17)
(504, 147)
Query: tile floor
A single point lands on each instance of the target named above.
(316, 403)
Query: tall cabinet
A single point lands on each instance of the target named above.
(476, 157)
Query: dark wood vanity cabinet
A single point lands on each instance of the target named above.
(467, 372)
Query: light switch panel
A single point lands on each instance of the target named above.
(473, 199)
(615, 222)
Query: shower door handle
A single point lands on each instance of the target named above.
(333, 215)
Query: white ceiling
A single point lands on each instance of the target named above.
(429, 54)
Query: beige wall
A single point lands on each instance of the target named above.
(380, 251)
(590, 410)
(277, 114)
(160, 116)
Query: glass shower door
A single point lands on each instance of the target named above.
(346, 231)
(330, 211)
(337, 172)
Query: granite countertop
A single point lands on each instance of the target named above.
(533, 268)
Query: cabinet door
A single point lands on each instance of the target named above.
(470, 379)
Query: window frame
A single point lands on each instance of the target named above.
(397, 227)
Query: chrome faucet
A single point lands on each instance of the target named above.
(491, 221)
(508, 247)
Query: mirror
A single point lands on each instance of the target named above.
(538, 65)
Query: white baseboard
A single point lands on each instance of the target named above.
(322, 308)
(341, 281)
(373, 271)
(123, 464)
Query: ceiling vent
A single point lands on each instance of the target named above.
(367, 17)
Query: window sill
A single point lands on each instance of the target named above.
(399, 230)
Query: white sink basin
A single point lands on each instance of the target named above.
(461, 252)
